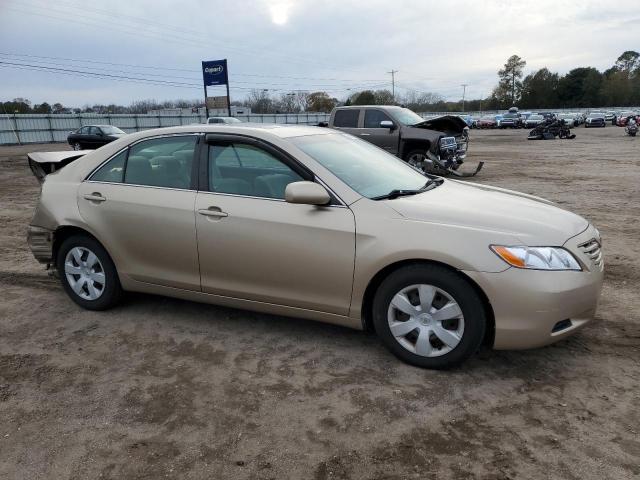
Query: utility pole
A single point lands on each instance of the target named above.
(464, 92)
(393, 83)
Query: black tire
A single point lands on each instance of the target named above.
(111, 289)
(76, 146)
(469, 301)
(427, 166)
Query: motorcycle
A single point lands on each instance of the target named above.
(550, 129)
(632, 127)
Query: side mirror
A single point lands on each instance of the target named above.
(307, 193)
(387, 124)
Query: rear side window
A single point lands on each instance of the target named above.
(161, 162)
(372, 118)
(346, 118)
(112, 171)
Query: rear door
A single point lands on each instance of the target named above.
(385, 138)
(347, 120)
(254, 245)
(140, 206)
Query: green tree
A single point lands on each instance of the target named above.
(540, 90)
(320, 102)
(42, 108)
(629, 61)
(580, 88)
(366, 97)
(383, 97)
(510, 79)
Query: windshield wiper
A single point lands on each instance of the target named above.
(395, 193)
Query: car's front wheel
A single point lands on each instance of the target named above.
(87, 273)
(429, 316)
(76, 146)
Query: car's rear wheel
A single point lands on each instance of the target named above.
(76, 146)
(87, 273)
(429, 316)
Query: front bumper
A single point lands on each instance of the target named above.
(533, 308)
(40, 242)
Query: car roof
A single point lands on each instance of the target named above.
(257, 129)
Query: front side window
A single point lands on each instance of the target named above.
(372, 118)
(365, 168)
(346, 118)
(94, 131)
(161, 162)
(242, 169)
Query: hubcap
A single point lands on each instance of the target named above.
(84, 273)
(425, 320)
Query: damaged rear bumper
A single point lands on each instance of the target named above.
(40, 242)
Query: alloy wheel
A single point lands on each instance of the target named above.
(425, 320)
(85, 273)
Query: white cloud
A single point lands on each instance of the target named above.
(330, 45)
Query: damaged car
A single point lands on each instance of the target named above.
(437, 145)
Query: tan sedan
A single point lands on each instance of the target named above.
(313, 223)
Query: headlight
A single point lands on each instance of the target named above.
(537, 258)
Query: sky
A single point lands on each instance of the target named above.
(52, 50)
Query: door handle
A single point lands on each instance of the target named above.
(213, 212)
(95, 197)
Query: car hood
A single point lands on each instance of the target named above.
(532, 220)
(446, 123)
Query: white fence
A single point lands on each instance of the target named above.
(32, 128)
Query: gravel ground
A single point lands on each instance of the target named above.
(163, 388)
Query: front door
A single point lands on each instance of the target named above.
(383, 137)
(140, 205)
(254, 245)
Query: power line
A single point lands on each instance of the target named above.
(147, 27)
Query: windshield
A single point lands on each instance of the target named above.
(565, 115)
(111, 130)
(535, 117)
(406, 116)
(510, 115)
(367, 169)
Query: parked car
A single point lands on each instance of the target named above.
(610, 117)
(469, 120)
(225, 120)
(534, 120)
(569, 119)
(498, 119)
(488, 121)
(595, 119)
(94, 136)
(621, 119)
(405, 134)
(524, 116)
(314, 223)
(511, 120)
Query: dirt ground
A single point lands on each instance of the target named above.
(163, 388)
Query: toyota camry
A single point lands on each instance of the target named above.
(313, 223)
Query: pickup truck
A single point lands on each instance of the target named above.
(437, 145)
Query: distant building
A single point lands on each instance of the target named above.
(235, 111)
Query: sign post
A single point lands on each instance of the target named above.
(214, 72)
